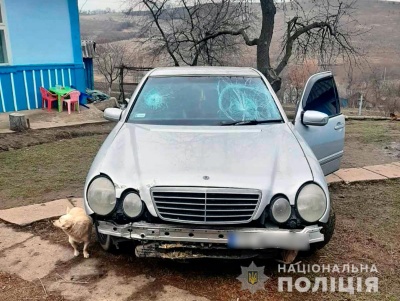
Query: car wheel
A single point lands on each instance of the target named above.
(328, 229)
(104, 240)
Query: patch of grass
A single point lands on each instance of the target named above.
(374, 132)
(45, 172)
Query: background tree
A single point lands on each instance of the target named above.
(190, 30)
(296, 79)
(109, 57)
(187, 30)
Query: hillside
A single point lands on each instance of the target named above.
(381, 42)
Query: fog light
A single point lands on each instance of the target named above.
(281, 210)
(132, 205)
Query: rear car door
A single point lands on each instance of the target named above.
(327, 142)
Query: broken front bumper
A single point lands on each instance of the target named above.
(236, 238)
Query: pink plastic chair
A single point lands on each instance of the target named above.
(47, 97)
(73, 99)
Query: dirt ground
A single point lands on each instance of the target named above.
(367, 232)
(13, 141)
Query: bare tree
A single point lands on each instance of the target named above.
(195, 31)
(189, 30)
(387, 95)
(108, 58)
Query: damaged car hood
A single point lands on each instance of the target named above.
(264, 157)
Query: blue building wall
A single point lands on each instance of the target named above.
(45, 46)
(89, 76)
(19, 86)
(40, 31)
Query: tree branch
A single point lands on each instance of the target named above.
(232, 33)
(156, 16)
(292, 38)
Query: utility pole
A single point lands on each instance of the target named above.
(360, 105)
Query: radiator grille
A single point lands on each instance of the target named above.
(205, 205)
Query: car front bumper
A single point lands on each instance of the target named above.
(243, 238)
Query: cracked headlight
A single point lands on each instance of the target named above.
(101, 195)
(311, 203)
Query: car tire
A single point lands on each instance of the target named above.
(327, 229)
(105, 241)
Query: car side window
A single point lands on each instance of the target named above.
(324, 98)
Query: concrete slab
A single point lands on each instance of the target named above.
(172, 293)
(35, 258)
(10, 237)
(41, 119)
(86, 268)
(333, 178)
(112, 287)
(391, 171)
(358, 174)
(78, 202)
(26, 215)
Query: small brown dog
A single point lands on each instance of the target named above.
(78, 226)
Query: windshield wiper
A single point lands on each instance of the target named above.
(251, 122)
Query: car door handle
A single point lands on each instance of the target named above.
(339, 126)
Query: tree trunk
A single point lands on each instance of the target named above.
(268, 9)
(18, 122)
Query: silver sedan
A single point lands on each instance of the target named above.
(205, 161)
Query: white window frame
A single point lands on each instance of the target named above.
(3, 27)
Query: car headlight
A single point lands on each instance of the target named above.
(132, 205)
(101, 196)
(281, 210)
(311, 203)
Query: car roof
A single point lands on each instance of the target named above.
(203, 71)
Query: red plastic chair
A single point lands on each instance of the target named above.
(73, 99)
(48, 97)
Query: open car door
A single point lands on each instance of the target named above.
(320, 122)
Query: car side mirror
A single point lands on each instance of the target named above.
(314, 118)
(112, 114)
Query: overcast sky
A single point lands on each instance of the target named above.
(101, 4)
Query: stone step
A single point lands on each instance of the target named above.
(367, 173)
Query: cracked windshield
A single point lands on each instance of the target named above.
(210, 100)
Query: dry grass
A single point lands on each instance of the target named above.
(373, 132)
(46, 172)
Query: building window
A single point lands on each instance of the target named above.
(3, 40)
